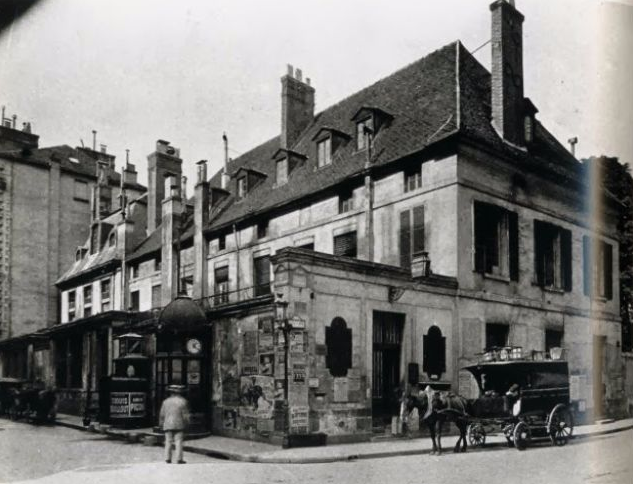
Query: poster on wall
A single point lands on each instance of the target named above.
(298, 341)
(230, 391)
(341, 389)
(266, 364)
(265, 325)
(250, 344)
(298, 373)
(266, 343)
(229, 418)
(257, 395)
(299, 419)
(250, 366)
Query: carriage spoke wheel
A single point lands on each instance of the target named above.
(508, 431)
(476, 435)
(521, 435)
(560, 425)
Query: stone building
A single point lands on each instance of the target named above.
(44, 216)
(404, 229)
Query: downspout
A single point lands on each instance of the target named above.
(237, 252)
(369, 199)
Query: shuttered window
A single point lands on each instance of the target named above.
(345, 244)
(552, 256)
(261, 275)
(411, 234)
(496, 241)
(597, 268)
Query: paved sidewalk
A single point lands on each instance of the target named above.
(248, 451)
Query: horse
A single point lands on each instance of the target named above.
(434, 409)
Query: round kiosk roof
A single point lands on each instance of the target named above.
(182, 314)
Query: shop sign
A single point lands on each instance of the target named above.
(127, 404)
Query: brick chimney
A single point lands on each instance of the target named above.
(162, 162)
(172, 209)
(297, 106)
(507, 71)
(200, 222)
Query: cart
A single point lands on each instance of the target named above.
(525, 398)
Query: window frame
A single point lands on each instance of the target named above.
(500, 241)
(346, 201)
(416, 176)
(241, 188)
(361, 143)
(324, 152)
(350, 233)
(281, 168)
(553, 256)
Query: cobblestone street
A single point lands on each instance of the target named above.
(54, 454)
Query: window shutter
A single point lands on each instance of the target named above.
(418, 229)
(539, 265)
(478, 239)
(262, 275)
(566, 259)
(405, 240)
(586, 265)
(513, 229)
(345, 245)
(608, 271)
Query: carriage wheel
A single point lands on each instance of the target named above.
(560, 425)
(521, 435)
(508, 431)
(476, 435)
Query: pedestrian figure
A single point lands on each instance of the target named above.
(174, 418)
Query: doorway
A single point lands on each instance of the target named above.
(387, 346)
(599, 343)
(183, 360)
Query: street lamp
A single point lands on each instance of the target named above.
(283, 325)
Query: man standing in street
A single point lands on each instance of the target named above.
(174, 419)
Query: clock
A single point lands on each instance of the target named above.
(194, 346)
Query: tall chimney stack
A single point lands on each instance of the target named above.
(165, 160)
(507, 71)
(297, 106)
(225, 171)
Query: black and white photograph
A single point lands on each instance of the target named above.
(316, 241)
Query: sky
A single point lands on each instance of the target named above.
(188, 70)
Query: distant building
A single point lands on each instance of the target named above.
(405, 229)
(45, 210)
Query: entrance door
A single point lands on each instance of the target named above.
(598, 383)
(183, 360)
(387, 344)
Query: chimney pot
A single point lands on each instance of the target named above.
(202, 171)
(308, 81)
(298, 74)
(290, 69)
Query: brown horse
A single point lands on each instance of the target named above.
(435, 408)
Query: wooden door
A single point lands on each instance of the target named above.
(387, 346)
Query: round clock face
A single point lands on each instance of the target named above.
(194, 346)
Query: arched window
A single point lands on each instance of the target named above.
(338, 339)
(434, 353)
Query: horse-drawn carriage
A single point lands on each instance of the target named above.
(25, 399)
(524, 398)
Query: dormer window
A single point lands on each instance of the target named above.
(241, 187)
(282, 171)
(369, 121)
(78, 255)
(412, 178)
(529, 121)
(324, 152)
(363, 128)
(346, 201)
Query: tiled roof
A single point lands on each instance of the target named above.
(427, 105)
(422, 100)
(62, 154)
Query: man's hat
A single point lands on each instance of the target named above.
(176, 389)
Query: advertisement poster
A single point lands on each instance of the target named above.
(266, 364)
(127, 404)
(266, 343)
(250, 344)
(257, 394)
(229, 418)
(341, 389)
(298, 341)
(250, 366)
(230, 391)
(299, 420)
(266, 325)
(299, 373)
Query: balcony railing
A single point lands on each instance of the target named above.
(222, 298)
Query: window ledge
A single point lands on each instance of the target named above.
(493, 277)
(555, 290)
(600, 299)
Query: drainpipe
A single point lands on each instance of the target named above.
(369, 198)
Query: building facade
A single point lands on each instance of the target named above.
(404, 229)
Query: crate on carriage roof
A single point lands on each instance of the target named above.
(516, 353)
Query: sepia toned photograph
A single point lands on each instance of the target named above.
(316, 241)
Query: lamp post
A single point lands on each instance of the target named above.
(283, 325)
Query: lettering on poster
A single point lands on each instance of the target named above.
(298, 343)
(266, 343)
(298, 373)
(127, 404)
(341, 389)
(299, 419)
